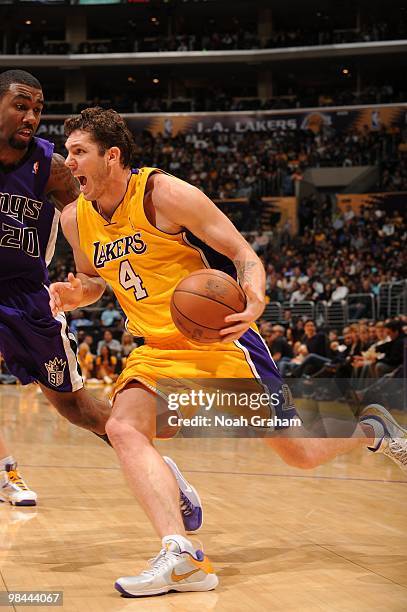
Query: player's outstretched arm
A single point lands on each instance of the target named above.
(186, 206)
(61, 185)
(84, 288)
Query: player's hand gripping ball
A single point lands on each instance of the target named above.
(202, 300)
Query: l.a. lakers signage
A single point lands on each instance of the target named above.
(389, 116)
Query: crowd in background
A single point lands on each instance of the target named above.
(335, 253)
(256, 164)
(233, 165)
(222, 40)
(364, 362)
(220, 101)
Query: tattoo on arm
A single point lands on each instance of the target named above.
(62, 185)
(244, 270)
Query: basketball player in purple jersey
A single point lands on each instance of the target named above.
(35, 185)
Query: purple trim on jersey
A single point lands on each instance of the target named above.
(215, 260)
(264, 369)
(259, 356)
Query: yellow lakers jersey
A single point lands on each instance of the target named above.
(142, 264)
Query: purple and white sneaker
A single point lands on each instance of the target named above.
(189, 500)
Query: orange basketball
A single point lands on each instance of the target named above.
(202, 300)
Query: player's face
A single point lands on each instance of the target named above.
(20, 114)
(87, 163)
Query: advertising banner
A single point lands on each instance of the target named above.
(390, 117)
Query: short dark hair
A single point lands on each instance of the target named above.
(309, 321)
(22, 77)
(107, 129)
(395, 325)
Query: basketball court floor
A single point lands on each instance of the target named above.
(281, 539)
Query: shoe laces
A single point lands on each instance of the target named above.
(397, 448)
(15, 478)
(187, 507)
(163, 561)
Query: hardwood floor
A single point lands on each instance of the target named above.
(281, 539)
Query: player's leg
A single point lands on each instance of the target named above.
(131, 429)
(12, 486)
(301, 448)
(377, 431)
(312, 446)
(80, 408)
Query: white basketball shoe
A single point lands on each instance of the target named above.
(177, 567)
(394, 442)
(13, 488)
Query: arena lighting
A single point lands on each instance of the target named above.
(28, 22)
(155, 81)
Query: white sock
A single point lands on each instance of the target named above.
(6, 461)
(379, 429)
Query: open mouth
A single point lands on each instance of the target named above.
(82, 180)
(26, 133)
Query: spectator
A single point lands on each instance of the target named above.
(86, 360)
(79, 320)
(127, 344)
(90, 341)
(110, 315)
(113, 345)
(391, 352)
(303, 292)
(107, 366)
(280, 350)
(316, 344)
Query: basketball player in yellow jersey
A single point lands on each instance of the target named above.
(142, 231)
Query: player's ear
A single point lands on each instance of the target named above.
(113, 155)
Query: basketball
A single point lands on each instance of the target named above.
(201, 302)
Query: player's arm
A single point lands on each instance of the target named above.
(84, 288)
(61, 185)
(186, 206)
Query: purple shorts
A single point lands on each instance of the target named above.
(36, 346)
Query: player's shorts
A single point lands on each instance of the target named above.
(179, 364)
(36, 346)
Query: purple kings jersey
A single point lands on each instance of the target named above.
(28, 220)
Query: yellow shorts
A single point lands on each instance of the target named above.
(182, 360)
(236, 371)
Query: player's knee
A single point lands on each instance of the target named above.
(121, 433)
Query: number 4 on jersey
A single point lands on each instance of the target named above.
(130, 280)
